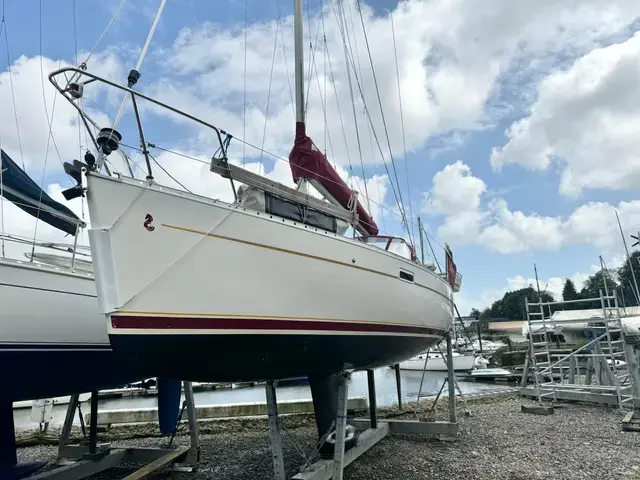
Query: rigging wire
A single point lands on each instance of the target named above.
(244, 104)
(344, 134)
(3, 23)
(404, 143)
(312, 56)
(384, 122)
(266, 112)
(324, 110)
(168, 174)
(83, 65)
(75, 50)
(286, 65)
(51, 138)
(275, 157)
(375, 136)
(143, 54)
(353, 105)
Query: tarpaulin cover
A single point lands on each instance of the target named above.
(14, 178)
(308, 162)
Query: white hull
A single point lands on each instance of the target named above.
(210, 268)
(53, 340)
(45, 307)
(64, 400)
(437, 363)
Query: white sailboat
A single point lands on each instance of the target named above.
(433, 361)
(51, 331)
(207, 290)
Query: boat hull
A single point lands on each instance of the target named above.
(53, 341)
(208, 291)
(230, 358)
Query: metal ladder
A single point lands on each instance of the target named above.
(606, 355)
(539, 354)
(616, 350)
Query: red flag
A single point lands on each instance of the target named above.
(451, 267)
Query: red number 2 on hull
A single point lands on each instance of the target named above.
(147, 222)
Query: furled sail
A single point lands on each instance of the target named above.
(307, 162)
(21, 190)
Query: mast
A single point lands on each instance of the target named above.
(299, 60)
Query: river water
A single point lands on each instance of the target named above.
(386, 394)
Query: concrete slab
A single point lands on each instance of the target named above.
(537, 409)
(411, 426)
(323, 469)
(150, 415)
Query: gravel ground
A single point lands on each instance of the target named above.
(496, 442)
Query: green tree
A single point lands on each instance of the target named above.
(475, 313)
(626, 279)
(594, 284)
(512, 305)
(569, 291)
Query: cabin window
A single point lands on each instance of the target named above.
(408, 276)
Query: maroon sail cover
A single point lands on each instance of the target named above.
(308, 162)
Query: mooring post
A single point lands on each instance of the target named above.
(450, 380)
(274, 431)
(341, 426)
(372, 399)
(398, 385)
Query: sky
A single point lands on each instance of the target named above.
(509, 128)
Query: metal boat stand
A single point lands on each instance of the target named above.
(94, 458)
(371, 429)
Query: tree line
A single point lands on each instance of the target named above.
(512, 305)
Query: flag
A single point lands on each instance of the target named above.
(451, 267)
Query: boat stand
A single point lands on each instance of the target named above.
(371, 429)
(94, 458)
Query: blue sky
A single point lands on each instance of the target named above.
(520, 118)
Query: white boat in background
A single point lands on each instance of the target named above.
(51, 332)
(435, 362)
(64, 400)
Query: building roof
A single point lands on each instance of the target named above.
(510, 326)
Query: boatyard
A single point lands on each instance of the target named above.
(190, 293)
(496, 441)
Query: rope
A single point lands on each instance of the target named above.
(3, 23)
(404, 143)
(266, 112)
(384, 122)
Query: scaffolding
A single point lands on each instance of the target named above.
(604, 370)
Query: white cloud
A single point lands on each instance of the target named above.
(585, 120)
(454, 190)
(503, 230)
(450, 59)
